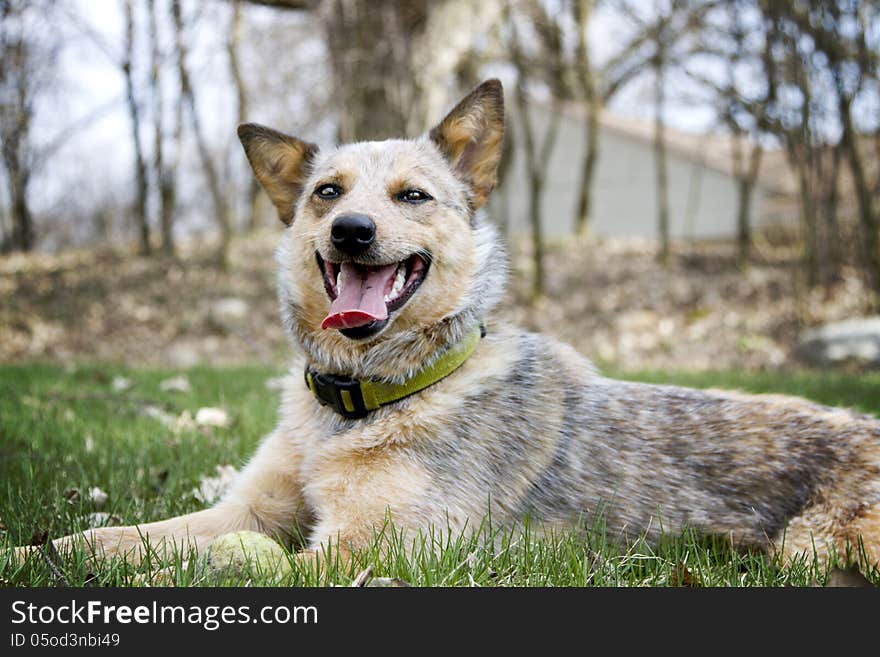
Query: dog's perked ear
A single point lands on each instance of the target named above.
(280, 163)
(470, 138)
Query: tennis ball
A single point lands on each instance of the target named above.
(247, 552)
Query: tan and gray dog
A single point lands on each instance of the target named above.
(411, 401)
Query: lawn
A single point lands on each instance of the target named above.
(64, 431)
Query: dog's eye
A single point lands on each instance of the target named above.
(328, 191)
(413, 196)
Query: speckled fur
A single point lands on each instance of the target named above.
(526, 424)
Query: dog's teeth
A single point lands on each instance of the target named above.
(339, 279)
(399, 280)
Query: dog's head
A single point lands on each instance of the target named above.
(386, 260)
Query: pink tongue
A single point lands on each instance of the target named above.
(361, 297)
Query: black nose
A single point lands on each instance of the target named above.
(352, 233)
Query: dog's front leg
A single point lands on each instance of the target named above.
(184, 534)
(266, 497)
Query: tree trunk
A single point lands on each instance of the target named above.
(537, 157)
(536, 189)
(218, 199)
(582, 12)
(16, 112)
(743, 224)
(867, 217)
(808, 222)
(588, 169)
(140, 208)
(164, 174)
(746, 187)
(232, 48)
(660, 164)
(370, 46)
(832, 256)
(22, 238)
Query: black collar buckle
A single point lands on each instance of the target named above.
(341, 393)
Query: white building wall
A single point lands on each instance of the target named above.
(702, 200)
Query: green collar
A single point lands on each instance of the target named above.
(353, 398)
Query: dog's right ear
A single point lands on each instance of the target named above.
(280, 163)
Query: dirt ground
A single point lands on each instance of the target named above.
(610, 298)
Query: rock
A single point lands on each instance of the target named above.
(852, 340)
(247, 552)
(183, 354)
(230, 312)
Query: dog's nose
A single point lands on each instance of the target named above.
(352, 233)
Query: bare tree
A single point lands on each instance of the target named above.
(546, 64)
(233, 46)
(659, 63)
(662, 42)
(587, 80)
(822, 51)
(164, 169)
(729, 44)
(26, 68)
(140, 164)
(598, 87)
(212, 177)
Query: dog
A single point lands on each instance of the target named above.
(411, 402)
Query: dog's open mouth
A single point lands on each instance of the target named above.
(362, 296)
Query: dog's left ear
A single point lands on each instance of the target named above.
(280, 162)
(470, 137)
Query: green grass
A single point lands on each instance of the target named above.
(68, 429)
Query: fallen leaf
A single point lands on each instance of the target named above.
(683, 576)
(175, 384)
(120, 384)
(212, 417)
(102, 519)
(362, 578)
(183, 422)
(158, 414)
(97, 497)
(39, 536)
(212, 488)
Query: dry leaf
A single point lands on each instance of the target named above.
(97, 497)
(175, 384)
(212, 417)
(120, 384)
(683, 576)
(211, 489)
